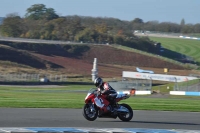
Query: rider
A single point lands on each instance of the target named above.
(106, 89)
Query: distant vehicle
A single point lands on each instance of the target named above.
(144, 71)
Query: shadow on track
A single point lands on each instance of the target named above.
(153, 122)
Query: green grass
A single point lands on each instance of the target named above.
(184, 46)
(62, 97)
(36, 97)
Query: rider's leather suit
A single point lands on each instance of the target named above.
(107, 90)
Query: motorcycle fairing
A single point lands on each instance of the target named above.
(101, 101)
(90, 96)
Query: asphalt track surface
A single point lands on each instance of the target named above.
(34, 117)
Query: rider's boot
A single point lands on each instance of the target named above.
(113, 109)
(112, 105)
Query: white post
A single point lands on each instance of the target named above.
(94, 70)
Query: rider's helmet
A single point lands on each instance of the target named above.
(98, 82)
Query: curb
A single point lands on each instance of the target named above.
(92, 130)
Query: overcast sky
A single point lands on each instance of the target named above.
(147, 10)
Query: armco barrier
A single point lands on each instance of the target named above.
(187, 37)
(186, 93)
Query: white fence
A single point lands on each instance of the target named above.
(23, 77)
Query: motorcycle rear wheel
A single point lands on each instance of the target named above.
(88, 114)
(126, 116)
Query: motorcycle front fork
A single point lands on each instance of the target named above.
(92, 109)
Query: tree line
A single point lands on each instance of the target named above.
(41, 22)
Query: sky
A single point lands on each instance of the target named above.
(147, 10)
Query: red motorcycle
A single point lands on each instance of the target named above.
(96, 105)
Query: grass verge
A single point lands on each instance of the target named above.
(64, 97)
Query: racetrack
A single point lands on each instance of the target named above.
(34, 117)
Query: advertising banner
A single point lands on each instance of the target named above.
(161, 77)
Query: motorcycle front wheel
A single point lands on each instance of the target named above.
(126, 116)
(89, 112)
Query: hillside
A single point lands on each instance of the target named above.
(185, 50)
(78, 59)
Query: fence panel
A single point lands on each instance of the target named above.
(193, 86)
(137, 84)
(25, 77)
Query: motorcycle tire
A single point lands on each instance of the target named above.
(123, 116)
(85, 114)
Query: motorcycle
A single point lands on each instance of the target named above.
(96, 105)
